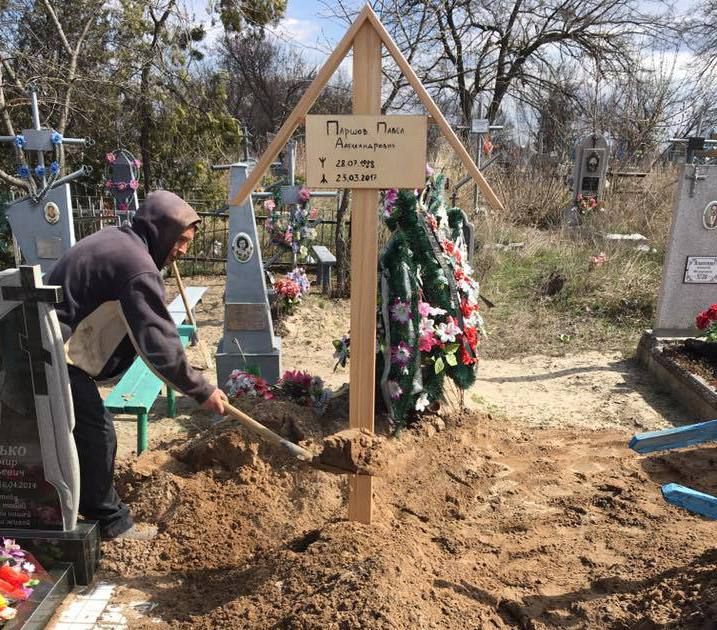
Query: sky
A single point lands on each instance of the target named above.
(307, 26)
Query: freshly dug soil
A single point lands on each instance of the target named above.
(478, 524)
(355, 450)
(697, 357)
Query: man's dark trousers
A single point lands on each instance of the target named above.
(96, 448)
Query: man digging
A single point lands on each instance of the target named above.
(113, 309)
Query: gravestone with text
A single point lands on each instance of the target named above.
(249, 341)
(39, 469)
(689, 277)
(588, 177)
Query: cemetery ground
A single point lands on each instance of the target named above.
(526, 510)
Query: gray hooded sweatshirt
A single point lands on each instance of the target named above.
(113, 298)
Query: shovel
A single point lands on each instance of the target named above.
(337, 461)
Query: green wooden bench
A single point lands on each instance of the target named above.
(138, 389)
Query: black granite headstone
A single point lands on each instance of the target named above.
(26, 498)
(39, 471)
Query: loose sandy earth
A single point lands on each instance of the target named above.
(526, 510)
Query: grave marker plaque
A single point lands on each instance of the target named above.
(364, 151)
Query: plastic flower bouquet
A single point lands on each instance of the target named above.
(16, 578)
(706, 321)
(243, 383)
(587, 204)
(293, 227)
(305, 389)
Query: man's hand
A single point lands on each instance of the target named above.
(215, 403)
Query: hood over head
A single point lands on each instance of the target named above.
(160, 221)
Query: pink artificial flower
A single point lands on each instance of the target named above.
(133, 184)
(304, 194)
(427, 340)
(137, 163)
(110, 158)
(122, 206)
(109, 184)
(598, 260)
(121, 186)
(401, 311)
(424, 309)
(401, 354)
(394, 390)
(429, 170)
(269, 205)
(447, 332)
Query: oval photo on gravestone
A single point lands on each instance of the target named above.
(242, 247)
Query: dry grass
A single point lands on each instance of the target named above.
(597, 306)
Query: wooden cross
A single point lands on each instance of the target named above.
(366, 36)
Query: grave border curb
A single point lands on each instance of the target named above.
(692, 391)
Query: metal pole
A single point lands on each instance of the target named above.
(36, 126)
(291, 146)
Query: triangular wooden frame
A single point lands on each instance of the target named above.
(322, 78)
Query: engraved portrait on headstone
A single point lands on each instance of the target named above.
(709, 216)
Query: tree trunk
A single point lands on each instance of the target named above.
(145, 130)
(341, 246)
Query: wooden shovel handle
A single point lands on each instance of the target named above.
(251, 424)
(180, 286)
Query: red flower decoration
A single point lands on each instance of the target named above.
(466, 359)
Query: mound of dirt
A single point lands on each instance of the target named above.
(481, 524)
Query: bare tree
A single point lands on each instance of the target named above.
(40, 42)
(492, 49)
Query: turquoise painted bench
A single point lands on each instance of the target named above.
(139, 387)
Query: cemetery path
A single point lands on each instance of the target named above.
(591, 390)
(525, 511)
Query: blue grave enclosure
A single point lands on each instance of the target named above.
(248, 342)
